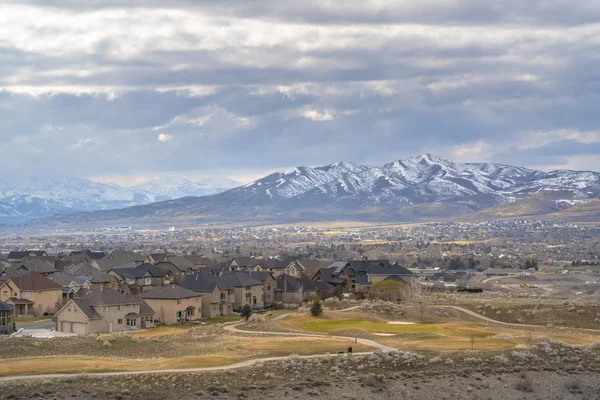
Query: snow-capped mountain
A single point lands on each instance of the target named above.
(426, 187)
(420, 179)
(40, 196)
(167, 188)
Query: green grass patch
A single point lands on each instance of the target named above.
(222, 319)
(333, 326)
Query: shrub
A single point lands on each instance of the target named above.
(246, 311)
(524, 384)
(316, 309)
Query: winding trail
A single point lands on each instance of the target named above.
(371, 343)
(495, 321)
(240, 364)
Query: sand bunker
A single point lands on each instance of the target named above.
(400, 323)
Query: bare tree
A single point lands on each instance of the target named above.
(419, 294)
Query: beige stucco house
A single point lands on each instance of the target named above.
(32, 294)
(103, 311)
(215, 301)
(174, 304)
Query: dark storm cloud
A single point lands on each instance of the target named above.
(259, 85)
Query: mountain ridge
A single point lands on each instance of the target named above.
(44, 196)
(419, 188)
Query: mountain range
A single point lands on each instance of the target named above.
(41, 196)
(421, 188)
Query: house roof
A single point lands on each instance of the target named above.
(15, 301)
(34, 281)
(199, 260)
(260, 275)
(140, 271)
(391, 270)
(272, 263)
(235, 279)
(92, 255)
(145, 309)
(6, 307)
(106, 264)
(125, 256)
(62, 279)
(86, 308)
(158, 256)
(108, 297)
(23, 253)
(244, 261)
(37, 265)
(170, 292)
(313, 265)
(200, 282)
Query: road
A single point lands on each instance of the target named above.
(36, 325)
(494, 321)
(366, 342)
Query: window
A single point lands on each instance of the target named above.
(69, 308)
(5, 294)
(120, 307)
(120, 321)
(26, 294)
(268, 297)
(131, 322)
(269, 286)
(197, 299)
(222, 295)
(54, 293)
(178, 301)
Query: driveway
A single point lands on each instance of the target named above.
(36, 325)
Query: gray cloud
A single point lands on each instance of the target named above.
(260, 85)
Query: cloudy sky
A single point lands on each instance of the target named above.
(242, 88)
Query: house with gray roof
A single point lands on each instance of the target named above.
(215, 300)
(103, 311)
(174, 304)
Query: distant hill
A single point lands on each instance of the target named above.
(39, 197)
(422, 188)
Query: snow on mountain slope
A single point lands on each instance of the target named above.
(175, 187)
(418, 179)
(417, 188)
(41, 196)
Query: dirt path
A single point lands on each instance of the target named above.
(366, 342)
(241, 364)
(495, 321)
(282, 316)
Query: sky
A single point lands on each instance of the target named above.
(125, 91)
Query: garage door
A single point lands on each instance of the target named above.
(65, 326)
(79, 328)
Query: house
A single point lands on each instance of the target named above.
(305, 268)
(173, 304)
(269, 285)
(99, 279)
(145, 276)
(334, 274)
(215, 300)
(272, 265)
(242, 264)
(86, 255)
(31, 294)
(246, 289)
(178, 267)
(7, 318)
(291, 290)
(378, 273)
(200, 261)
(15, 256)
(70, 284)
(155, 257)
(106, 264)
(106, 310)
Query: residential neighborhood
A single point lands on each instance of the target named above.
(88, 292)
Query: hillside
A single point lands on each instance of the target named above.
(421, 188)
